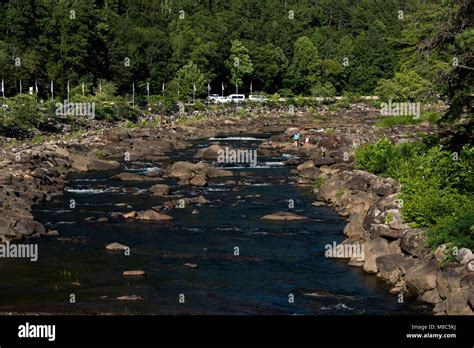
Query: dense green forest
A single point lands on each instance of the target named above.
(404, 50)
(307, 47)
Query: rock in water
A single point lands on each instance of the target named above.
(283, 216)
(191, 265)
(130, 298)
(160, 190)
(134, 273)
(116, 246)
(151, 214)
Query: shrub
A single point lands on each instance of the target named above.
(454, 231)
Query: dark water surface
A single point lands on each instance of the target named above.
(276, 258)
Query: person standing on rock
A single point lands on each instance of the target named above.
(296, 139)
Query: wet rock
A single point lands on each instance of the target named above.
(134, 273)
(151, 214)
(130, 215)
(191, 265)
(159, 190)
(103, 219)
(130, 298)
(318, 204)
(116, 247)
(209, 153)
(53, 233)
(198, 180)
(470, 266)
(134, 177)
(85, 164)
(283, 216)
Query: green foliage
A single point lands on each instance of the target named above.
(318, 182)
(239, 63)
(405, 86)
(390, 121)
(436, 183)
(305, 69)
(455, 231)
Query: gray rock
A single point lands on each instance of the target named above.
(413, 241)
(422, 277)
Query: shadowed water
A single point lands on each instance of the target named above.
(276, 258)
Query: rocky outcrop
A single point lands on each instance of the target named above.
(394, 251)
(195, 173)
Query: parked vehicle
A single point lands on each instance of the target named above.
(212, 99)
(222, 100)
(237, 98)
(258, 98)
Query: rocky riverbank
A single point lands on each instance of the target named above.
(32, 173)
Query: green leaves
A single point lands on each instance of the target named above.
(239, 63)
(436, 183)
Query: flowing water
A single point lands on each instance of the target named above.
(275, 258)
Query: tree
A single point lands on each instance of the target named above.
(305, 69)
(239, 63)
(270, 64)
(188, 77)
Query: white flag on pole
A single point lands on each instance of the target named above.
(163, 87)
(148, 87)
(208, 86)
(83, 88)
(194, 87)
(52, 89)
(21, 87)
(3, 90)
(36, 86)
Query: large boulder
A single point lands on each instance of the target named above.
(413, 242)
(457, 303)
(448, 281)
(151, 214)
(377, 247)
(389, 266)
(422, 277)
(209, 153)
(84, 164)
(159, 190)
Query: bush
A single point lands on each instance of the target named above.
(404, 86)
(454, 231)
(436, 183)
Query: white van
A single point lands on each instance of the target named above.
(237, 98)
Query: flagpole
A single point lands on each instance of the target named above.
(20, 87)
(52, 90)
(236, 89)
(36, 91)
(3, 91)
(133, 94)
(194, 93)
(148, 93)
(83, 87)
(68, 91)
